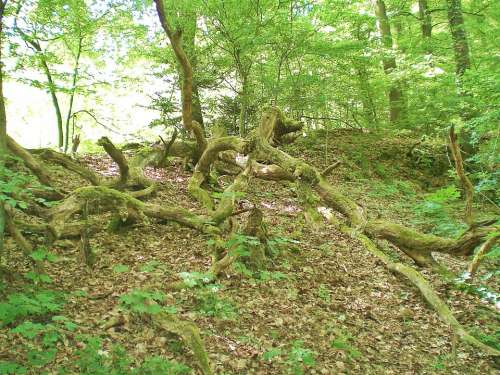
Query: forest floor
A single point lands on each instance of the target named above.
(322, 296)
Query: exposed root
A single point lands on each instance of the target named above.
(483, 250)
(29, 160)
(67, 162)
(22, 242)
(427, 292)
(189, 333)
(129, 208)
(419, 245)
(466, 184)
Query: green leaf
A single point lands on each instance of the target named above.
(270, 354)
(120, 268)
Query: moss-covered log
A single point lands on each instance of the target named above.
(41, 173)
(67, 162)
(202, 169)
(102, 199)
(419, 246)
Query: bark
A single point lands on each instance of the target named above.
(419, 246)
(483, 250)
(40, 172)
(128, 208)
(35, 45)
(189, 333)
(397, 110)
(72, 92)
(444, 312)
(244, 105)
(458, 35)
(3, 126)
(464, 180)
(425, 24)
(202, 169)
(65, 161)
(21, 241)
(175, 37)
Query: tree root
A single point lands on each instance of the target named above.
(40, 172)
(189, 333)
(129, 208)
(427, 292)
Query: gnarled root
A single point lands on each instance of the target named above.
(427, 292)
(129, 208)
(189, 333)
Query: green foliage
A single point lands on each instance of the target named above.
(239, 245)
(39, 303)
(435, 209)
(344, 341)
(142, 301)
(300, 358)
(120, 268)
(192, 279)
(13, 185)
(12, 368)
(93, 359)
(210, 304)
(277, 244)
(152, 267)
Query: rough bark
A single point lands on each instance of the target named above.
(3, 126)
(202, 169)
(483, 250)
(126, 206)
(70, 164)
(425, 24)
(40, 172)
(189, 333)
(397, 109)
(464, 180)
(175, 37)
(458, 35)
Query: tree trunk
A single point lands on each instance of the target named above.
(3, 127)
(175, 38)
(72, 93)
(190, 47)
(244, 105)
(369, 112)
(458, 35)
(425, 24)
(397, 111)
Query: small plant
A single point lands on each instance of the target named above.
(152, 266)
(324, 293)
(209, 303)
(343, 341)
(142, 301)
(276, 244)
(434, 208)
(120, 268)
(192, 279)
(300, 358)
(34, 304)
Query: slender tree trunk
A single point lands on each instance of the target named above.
(458, 35)
(3, 127)
(190, 48)
(425, 24)
(369, 112)
(397, 110)
(51, 86)
(72, 94)
(244, 105)
(175, 38)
